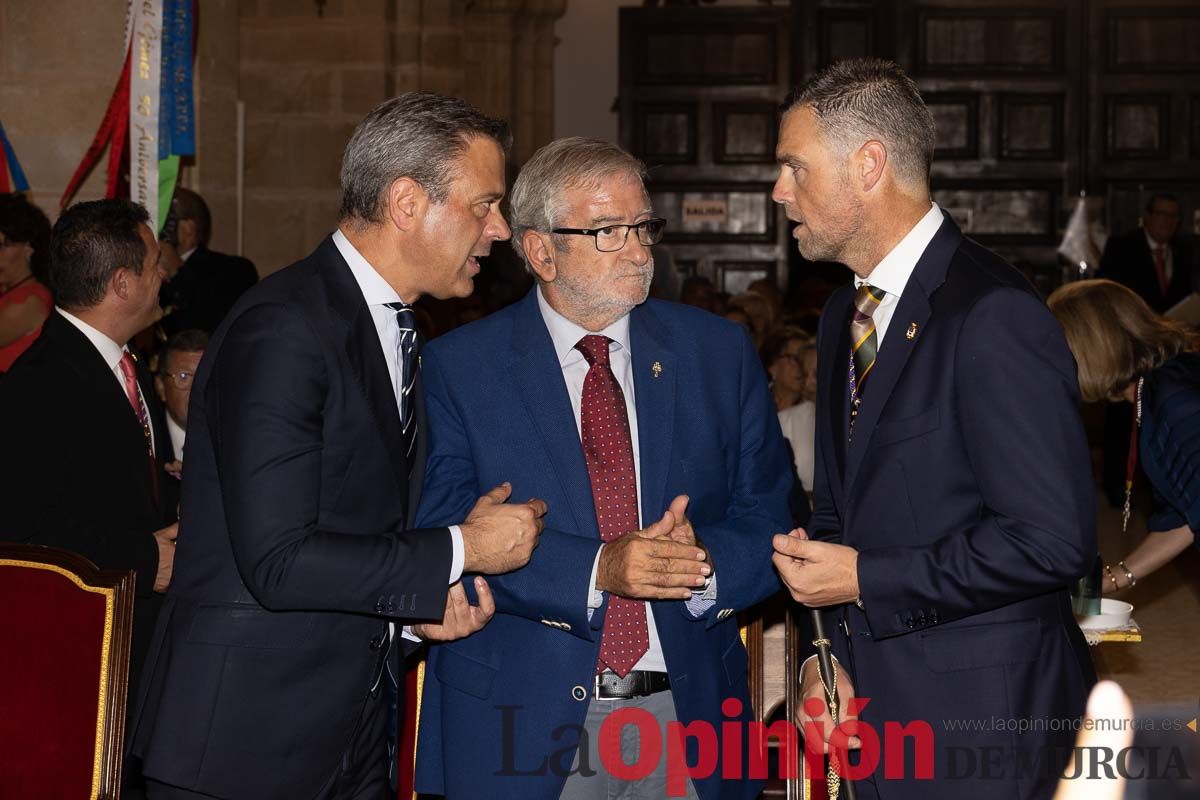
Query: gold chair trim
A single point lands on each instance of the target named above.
(105, 650)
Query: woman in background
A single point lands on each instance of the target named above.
(784, 354)
(24, 301)
(1127, 352)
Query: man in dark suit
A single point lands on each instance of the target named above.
(648, 428)
(952, 496)
(208, 283)
(275, 665)
(85, 438)
(1150, 259)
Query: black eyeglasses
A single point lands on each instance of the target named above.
(612, 238)
(180, 378)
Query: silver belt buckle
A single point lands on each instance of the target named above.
(596, 689)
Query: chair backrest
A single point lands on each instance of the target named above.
(64, 673)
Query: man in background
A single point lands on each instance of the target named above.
(1150, 259)
(177, 365)
(85, 436)
(208, 283)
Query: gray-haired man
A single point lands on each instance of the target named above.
(276, 658)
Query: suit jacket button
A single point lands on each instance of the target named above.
(909, 622)
(579, 693)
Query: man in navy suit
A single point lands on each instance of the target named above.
(648, 429)
(275, 668)
(952, 497)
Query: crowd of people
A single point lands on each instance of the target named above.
(570, 498)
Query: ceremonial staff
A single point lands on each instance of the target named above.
(834, 782)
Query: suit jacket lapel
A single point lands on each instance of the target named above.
(87, 362)
(833, 380)
(365, 355)
(913, 309)
(540, 383)
(654, 374)
(417, 477)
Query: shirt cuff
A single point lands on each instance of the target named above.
(407, 633)
(458, 556)
(595, 596)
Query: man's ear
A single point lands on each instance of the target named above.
(121, 282)
(406, 202)
(872, 157)
(539, 254)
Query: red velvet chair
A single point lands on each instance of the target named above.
(64, 673)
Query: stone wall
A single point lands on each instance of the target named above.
(306, 73)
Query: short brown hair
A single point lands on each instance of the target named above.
(1115, 336)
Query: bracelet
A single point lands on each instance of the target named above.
(1128, 575)
(1108, 571)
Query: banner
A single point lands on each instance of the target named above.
(144, 96)
(10, 166)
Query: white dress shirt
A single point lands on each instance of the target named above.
(565, 334)
(376, 291)
(892, 273)
(799, 424)
(112, 353)
(178, 436)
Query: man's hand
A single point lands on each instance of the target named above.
(461, 618)
(649, 565)
(165, 539)
(174, 469)
(499, 536)
(683, 532)
(811, 691)
(816, 574)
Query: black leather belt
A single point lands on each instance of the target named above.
(636, 684)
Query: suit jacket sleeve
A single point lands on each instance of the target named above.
(554, 584)
(740, 544)
(47, 500)
(268, 399)
(1018, 412)
(825, 523)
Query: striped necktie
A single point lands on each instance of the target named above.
(864, 342)
(407, 353)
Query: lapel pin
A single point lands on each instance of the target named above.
(656, 369)
(911, 333)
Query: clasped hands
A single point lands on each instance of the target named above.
(662, 561)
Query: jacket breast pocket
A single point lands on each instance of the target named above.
(465, 674)
(899, 430)
(234, 625)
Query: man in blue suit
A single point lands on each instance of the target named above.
(648, 430)
(953, 491)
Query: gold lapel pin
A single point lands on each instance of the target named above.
(912, 331)
(656, 369)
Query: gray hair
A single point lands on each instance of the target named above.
(870, 98)
(537, 203)
(419, 135)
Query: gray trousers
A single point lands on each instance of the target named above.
(602, 785)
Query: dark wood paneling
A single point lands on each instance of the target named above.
(957, 118)
(989, 41)
(1029, 126)
(715, 212)
(1153, 40)
(745, 133)
(666, 132)
(1137, 125)
(845, 33)
(743, 52)
(735, 276)
(1002, 210)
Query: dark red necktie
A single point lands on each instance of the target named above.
(133, 393)
(608, 451)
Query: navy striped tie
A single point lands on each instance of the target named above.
(407, 352)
